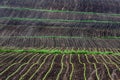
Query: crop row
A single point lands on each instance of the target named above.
(19, 31)
(55, 51)
(65, 37)
(57, 20)
(64, 15)
(102, 44)
(72, 5)
(56, 11)
(68, 66)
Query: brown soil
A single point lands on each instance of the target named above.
(91, 32)
(78, 72)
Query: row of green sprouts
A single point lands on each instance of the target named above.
(54, 51)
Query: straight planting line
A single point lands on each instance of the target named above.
(65, 37)
(71, 74)
(39, 67)
(39, 37)
(56, 11)
(38, 26)
(51, 66)
(58, 76)
(56, 20)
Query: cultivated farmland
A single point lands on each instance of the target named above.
(59, 40)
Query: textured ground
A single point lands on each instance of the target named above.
(81, 23)
(27, 66)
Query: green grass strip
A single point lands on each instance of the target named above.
(56, 11)
(110, 37)
(56, 20)
(53, 51)
(65, 37)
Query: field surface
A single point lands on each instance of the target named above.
(59, 39)
(28, 66)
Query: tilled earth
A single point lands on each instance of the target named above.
(100, 18)
(30, 36)
(29, 66)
